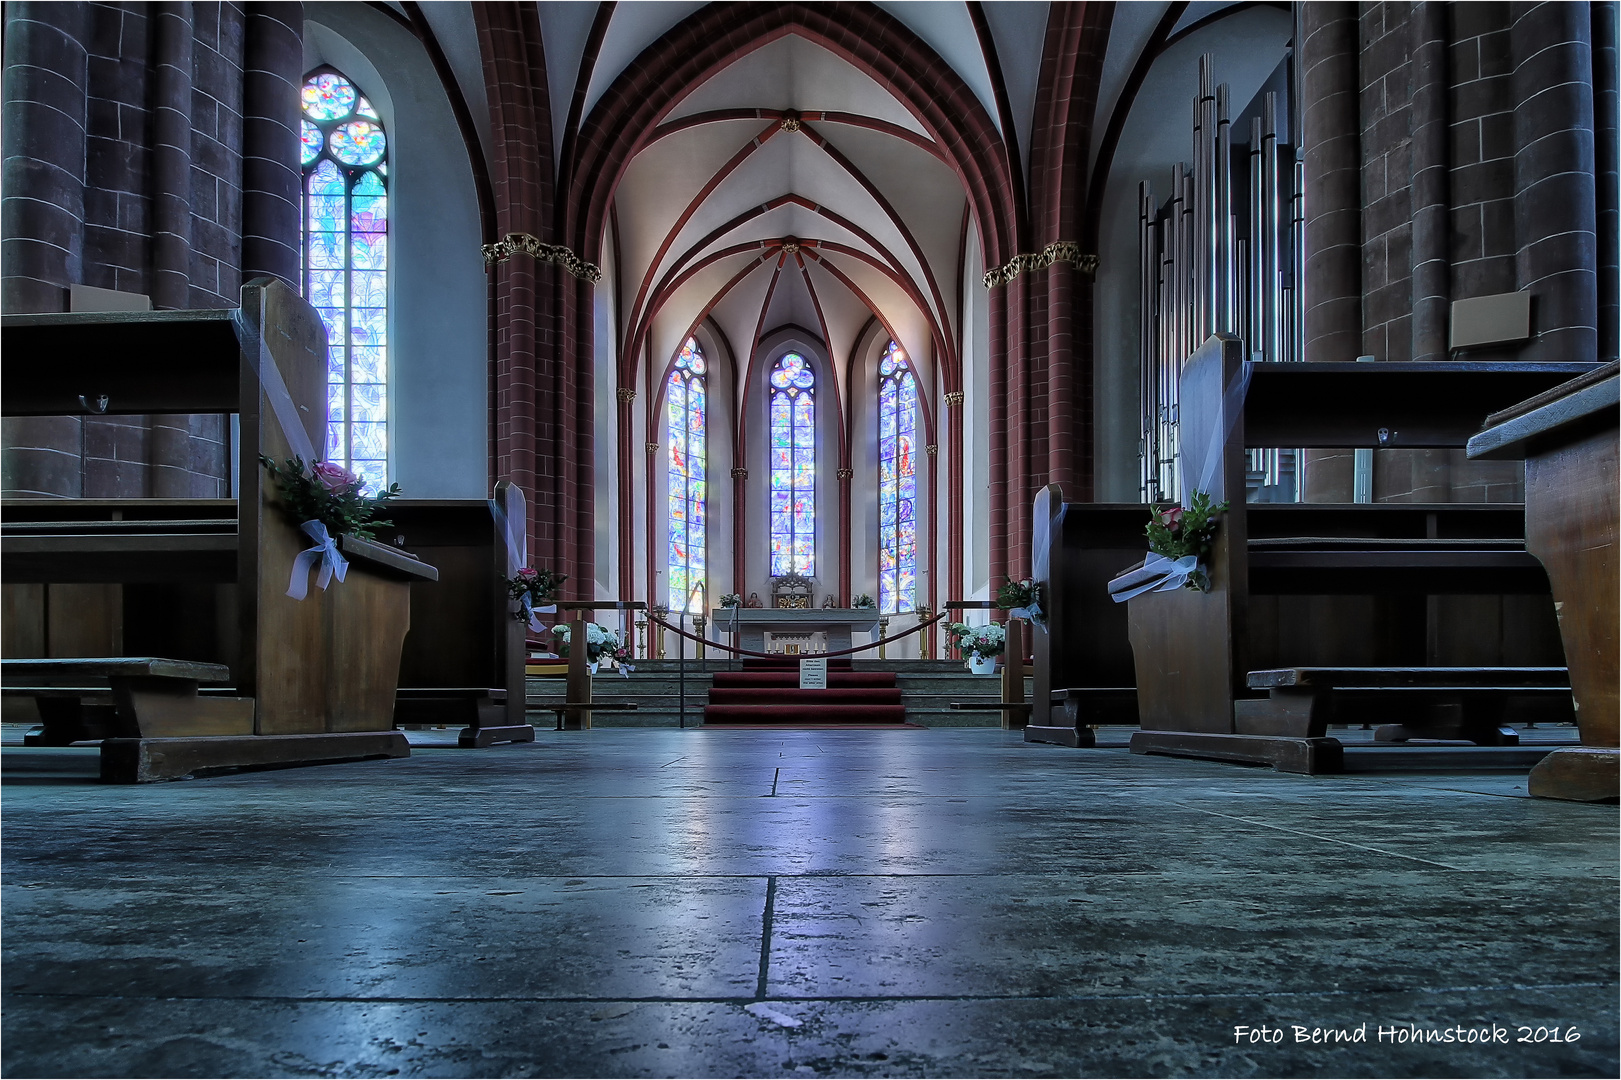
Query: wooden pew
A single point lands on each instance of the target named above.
(321, 673)
(1365, 577)
(1567, 437)
(463, 661)
(1083, 664)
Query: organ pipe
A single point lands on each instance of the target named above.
(1224, 253)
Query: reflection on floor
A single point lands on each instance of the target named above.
(841, 903)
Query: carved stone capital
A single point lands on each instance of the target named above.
(530, 245)
(627, 394)
(740, 474)
(845, 474)
(953, 398)
(931, 448)
(790, 121)
(652, 448)
(1065, 251)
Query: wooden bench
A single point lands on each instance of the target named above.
(1082, 659)
(1345, 583)
(138, 697)
(211, 575)
(463, 661)
(566, 709)
(1567, 437)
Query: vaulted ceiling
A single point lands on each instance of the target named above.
(789, 188)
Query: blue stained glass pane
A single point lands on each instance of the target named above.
(325, 179)
(326, 216)
(334, 440)
(374, 474)
(368, 289)
(370, 441)
(369, 401)
(369, 326)
(368, 215)
(696, 467)
(368, 364)
(359, 142)
(369, 250)
(309, 138)
(336, 401)
(323, 251)
(328, 96)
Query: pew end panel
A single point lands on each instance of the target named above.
(1082, 659)
(1188, 644)
(1568, 439)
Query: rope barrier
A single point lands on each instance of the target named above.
(778, 656)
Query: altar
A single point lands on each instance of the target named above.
(794, 631)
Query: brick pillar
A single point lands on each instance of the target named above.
(1554, 185)
(272, 181)
(1000, 442)
(1331, 134)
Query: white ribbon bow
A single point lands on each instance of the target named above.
(326, 552)
(1157, 574)
(1031, 614)
(533, 613)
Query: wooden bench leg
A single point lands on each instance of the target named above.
(1478, 721)
(482, 736)
(159, 708)
(1300, 713)
(1578, 774)
(67, 720)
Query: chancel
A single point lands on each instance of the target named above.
(854, 539)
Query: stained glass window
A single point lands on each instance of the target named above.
(897, 482)
(345, 157)
(686, 404)
(793, 467)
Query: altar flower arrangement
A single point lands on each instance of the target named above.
(863, 601)
(731, 600)
(1180, 534)
(1023, 601)
(984, 641)
(327, 492)
(599, 641)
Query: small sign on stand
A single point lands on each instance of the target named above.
(813, 673)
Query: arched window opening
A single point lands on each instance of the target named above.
(686, 401)
(897, 482)
(793, 467)
(345, 152)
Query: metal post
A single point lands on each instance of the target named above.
(681, 660)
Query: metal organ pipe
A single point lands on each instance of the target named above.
(1213, 261)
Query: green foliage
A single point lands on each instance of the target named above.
(1175, 533)
(331, 495)
(1018, 594)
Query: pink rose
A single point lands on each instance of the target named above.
(335, 478)
(1172, 518)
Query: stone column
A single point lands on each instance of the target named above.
(272, 181)
(1332, 137)
(1431, 189)
(46, 82)
(1555, 190)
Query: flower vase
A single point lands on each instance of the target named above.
(981, 665)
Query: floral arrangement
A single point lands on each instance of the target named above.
(987, 641)
(1176, 533)
(533, 589)
(1023, 600)
(731, 600)
(329, 493)
(599, 642)
(862, 600)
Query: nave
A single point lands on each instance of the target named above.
(800, 903)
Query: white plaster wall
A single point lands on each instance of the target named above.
(976, 511)
(438, 359)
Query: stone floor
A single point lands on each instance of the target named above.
(814, 903)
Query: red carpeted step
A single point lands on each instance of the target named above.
(860, 695)
(791, 713)
(790, 679)
(790, 663)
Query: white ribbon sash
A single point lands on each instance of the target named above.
(1157, 574)
(326, 552)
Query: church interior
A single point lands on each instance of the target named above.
(810, 539)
